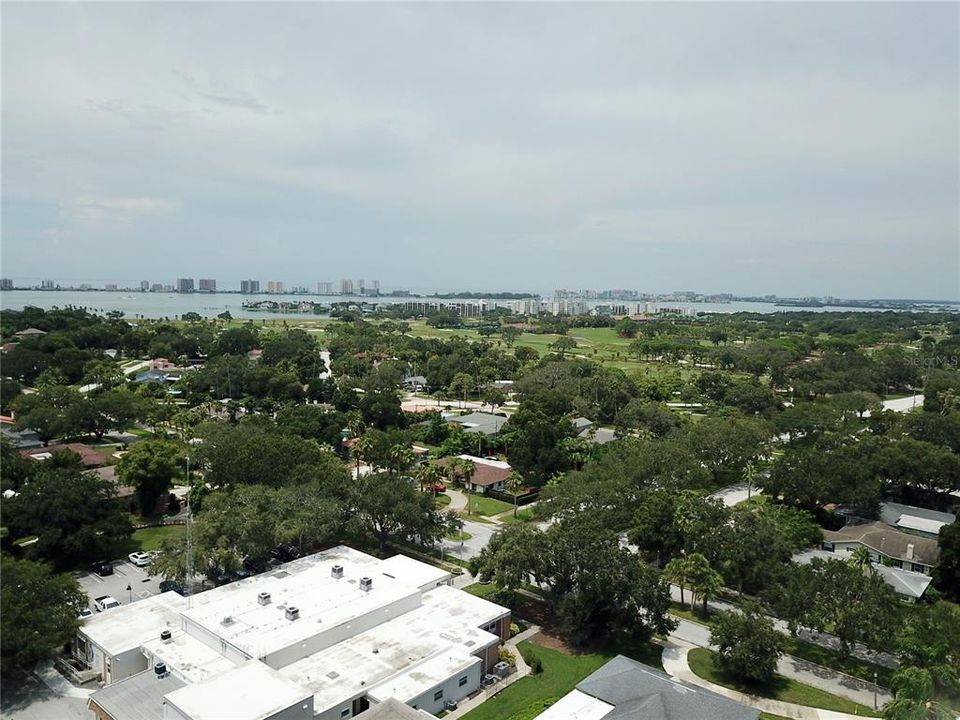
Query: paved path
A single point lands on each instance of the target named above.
(480, 534)
(674, 660)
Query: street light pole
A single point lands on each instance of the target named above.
(875, 691)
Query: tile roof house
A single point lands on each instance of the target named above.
(625, 689)
(88, 456)
(887, 545)
(488, 474)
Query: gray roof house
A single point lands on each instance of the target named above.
(482, 423)
(886, 544)
(915, 520)
(910, 586)
(625, 689)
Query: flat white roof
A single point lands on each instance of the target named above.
(576, 705)
(921, 524)
(356, 665)
(482, 461)
(187, 657)
(424, 676)
(233, 613)
(413, 572)
(252, 691)
(126, 627)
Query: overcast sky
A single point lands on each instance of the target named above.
(798, 149)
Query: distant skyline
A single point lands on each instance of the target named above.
(797, 149)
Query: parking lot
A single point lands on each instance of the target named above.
(124, 574)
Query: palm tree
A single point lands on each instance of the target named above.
(514, 484)
(429, 474)
(362, 449)
(705, 582)
(676, 572)
(861, 559)
(401, 458)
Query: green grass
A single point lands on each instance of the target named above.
(458, 535)
(781, 688)
(442, 500)
(522, 517)
(561, 673)
(486, 591)
(483, 505)
(150, 538)
(687, 614)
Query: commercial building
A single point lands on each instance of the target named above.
(184, 285)
(625, 688)
(208, 285)
(249, 287)
(326, 636)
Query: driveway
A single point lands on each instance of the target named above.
(480, 535)
(735, 494)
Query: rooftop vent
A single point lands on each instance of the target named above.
(165, 635)
(263, 598)
(292, 613)
(366, 584)
(337, 571)
(909, 551)
(227, 620)
(160, 669)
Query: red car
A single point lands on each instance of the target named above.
(437, 488)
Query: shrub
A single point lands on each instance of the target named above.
(506, 656)
(533, 660)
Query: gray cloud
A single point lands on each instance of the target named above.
(791, 148)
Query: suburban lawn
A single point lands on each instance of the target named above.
(561, 673)
(486, 506)
(522, 517)
(149, 538)
(783, 689)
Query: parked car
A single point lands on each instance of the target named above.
(85, 613)
(254, 566)
(285, 552)
(171, 586)
(105, 602)
(437, 487)
(220, 577)
(140, 559)
(102, 567)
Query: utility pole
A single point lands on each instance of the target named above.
(189, 562)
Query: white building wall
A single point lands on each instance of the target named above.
(451, 689)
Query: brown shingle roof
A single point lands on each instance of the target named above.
(884, 539)
(88, 456)
(486, 472)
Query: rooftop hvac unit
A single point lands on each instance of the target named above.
(337, 571)
(160, 669)
(366, 584)
(263, 598)
(165, 635)
(292, 613)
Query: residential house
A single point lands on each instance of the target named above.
(625, 689)
(588, 430)
(30, 332)
(477, 423)
(88, 456)
(488, 474)
(909, 585)
(915, 520)
(887, 546)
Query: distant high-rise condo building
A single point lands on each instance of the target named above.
(144, 285)
(324, 288)
(110, 286)
(346, 287)
(249, 287)
(184, 285)
(376, 286)
(208, 285)
(6, 284)
(156, 287)
(47, 285)
(275, 287)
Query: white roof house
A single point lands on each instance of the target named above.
(325, 636)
